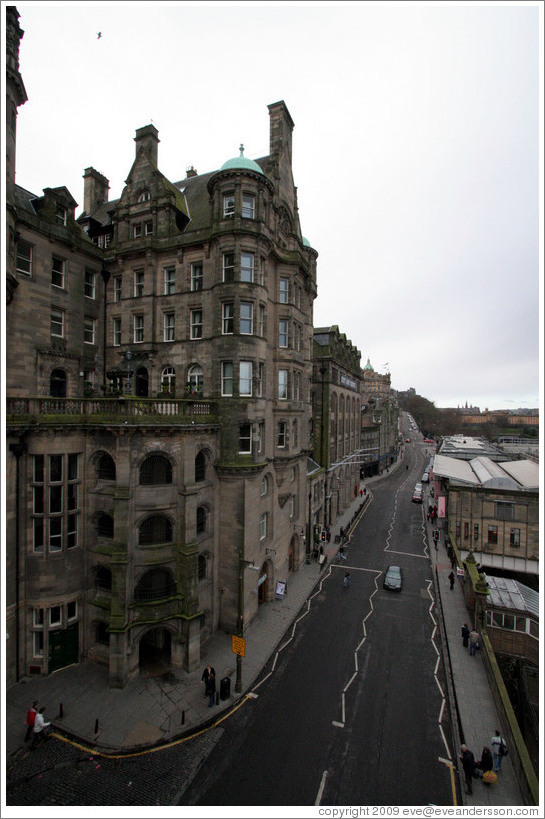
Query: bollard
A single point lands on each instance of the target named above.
(183, 717)
(96, 726)
(61, 711)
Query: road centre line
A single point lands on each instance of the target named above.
(321, 789)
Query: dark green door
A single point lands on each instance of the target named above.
(63, 647)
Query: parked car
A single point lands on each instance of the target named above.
(417, 496)
(393, 579)
(428, 440)
(418, 487)
(425, 478)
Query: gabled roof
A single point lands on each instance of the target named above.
(506, 593)
(482, 471)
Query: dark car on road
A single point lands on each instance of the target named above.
(393, 579)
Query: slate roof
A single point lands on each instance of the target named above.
(506, 593)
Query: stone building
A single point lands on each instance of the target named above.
(379, 422)
(158, 405)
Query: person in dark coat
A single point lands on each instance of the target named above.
(468, 764)
(465, 635)
(451, 579)
(485, 763)
(211, 688)
(205, 677)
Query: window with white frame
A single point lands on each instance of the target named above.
(170, 280)
(138, 283)
(148, 228)
(55, 616)
(227, 318)
(261, 271)
(116, 331)
(38, 644)
(227, 374)
(55, 485)
(248, 206)
(24, 258)
(89, 330)
(136, 231)
(196, 323)
(246, 318)
(284, 290)
(264, 486)
(90, 284)
(245, 439)
(228, 267)
(281, 430)
(260, 378)
(138, 329)
(263, 526)
(229, 204)
(245, 378)
(292, 506)
(283, 384)
(145, 196)
(283, 332)
(71, 610)
(514, 538)
(168, 326)
(117, 288)
(57, 271)
(261, 321)
(195, 378)
(168, 380)
(196, 276)
(247, 267)
(260, 436)
(57, 322)
(103, 240)
(61, 215)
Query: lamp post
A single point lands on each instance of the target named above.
(323, 371)
(242, 564)
(128, 356)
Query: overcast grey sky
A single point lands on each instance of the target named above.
(416, 155)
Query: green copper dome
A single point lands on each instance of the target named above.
(241, 162)
(369, 366)
(306, 242)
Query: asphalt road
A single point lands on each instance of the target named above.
(354, 711)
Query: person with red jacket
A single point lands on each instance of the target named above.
(30, 717)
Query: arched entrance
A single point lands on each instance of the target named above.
(155, 652)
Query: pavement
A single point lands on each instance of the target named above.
(154, 710)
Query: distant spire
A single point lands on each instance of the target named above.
(241, 149)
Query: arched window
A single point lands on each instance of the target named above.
(155, 529)
(155, 584)
(155, 470)
(202, 567)
(264, 486)
(168, 380)
(106, 468)
(195, 380)
(105, 526)
(103, 579)
(145, 196)
(57, 384)
(201, 520)
(200, 466)
(102, 635)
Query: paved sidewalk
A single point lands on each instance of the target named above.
(476, 707)
(152, 710)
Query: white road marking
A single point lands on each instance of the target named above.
(321, 789)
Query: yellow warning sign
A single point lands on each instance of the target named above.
(239, 645)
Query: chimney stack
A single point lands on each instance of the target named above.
(148, 139)
(95, 190)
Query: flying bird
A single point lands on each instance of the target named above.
(99, 35)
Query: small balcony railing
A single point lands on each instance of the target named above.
(161, 410)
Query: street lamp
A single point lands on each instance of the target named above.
(323, 371)
(128, 356)
(242, 564)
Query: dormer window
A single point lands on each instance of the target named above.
(248, 206)
(229, 205)
(61, 215)
(145, 196)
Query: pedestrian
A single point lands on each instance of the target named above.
(39, 732)
(473, 642)
(485, 763)
(465, 635)
(346, 581)
(30, 717)
(437, 535)
(341, 533)
(206, 676)
(453, 561)
(451, 579)
(211, 688)
(361, 493)
(328, 535)
(468, 764)
(498, 749)
(315, 552)
(342, 555)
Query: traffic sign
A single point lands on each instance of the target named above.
(239, 645)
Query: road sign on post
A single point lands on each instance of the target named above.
(238, 645)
